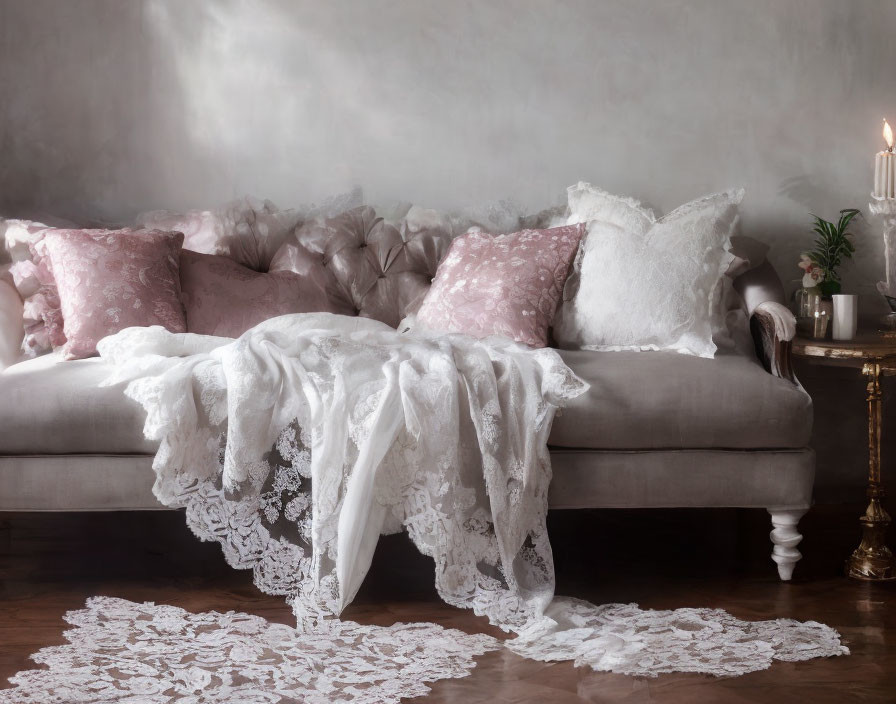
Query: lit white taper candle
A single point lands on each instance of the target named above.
(885, 168)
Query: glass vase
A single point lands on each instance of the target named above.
(807, 299)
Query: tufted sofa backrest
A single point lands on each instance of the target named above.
(381, 270)
(369, 267)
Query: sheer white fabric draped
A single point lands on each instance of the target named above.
(297, 445)
(301, 442)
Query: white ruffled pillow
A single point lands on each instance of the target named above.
(640, 283)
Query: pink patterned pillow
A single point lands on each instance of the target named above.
(502, 284)
(109, 280)
(224, 298)
(32, 277)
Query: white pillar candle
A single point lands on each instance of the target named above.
(885, 181)
(891, 176)
(885, 168)
(888, 181)
(885, 175)
(888, 184)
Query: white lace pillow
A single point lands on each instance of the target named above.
(645, 284)
(587, 203)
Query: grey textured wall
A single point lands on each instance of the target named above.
(111, 107)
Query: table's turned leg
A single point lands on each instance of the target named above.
(873, 560)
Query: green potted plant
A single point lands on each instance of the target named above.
(821, 279)
(832, 246)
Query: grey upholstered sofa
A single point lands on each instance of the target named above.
(656, 429)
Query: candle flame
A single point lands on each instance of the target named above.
(888, 136)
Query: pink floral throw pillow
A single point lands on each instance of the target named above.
(224, 298)
(108, 281)
(502, 284)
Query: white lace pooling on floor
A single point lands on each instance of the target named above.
(121, 651)
(625, 639)
(297, 445)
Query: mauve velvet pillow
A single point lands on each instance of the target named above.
(224, 298)
(502, 284)
(108, 281)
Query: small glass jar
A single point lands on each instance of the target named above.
(822, 312)
(807, 302)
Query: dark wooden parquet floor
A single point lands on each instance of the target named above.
(50, 563)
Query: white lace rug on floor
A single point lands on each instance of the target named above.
(121, 652)
(297, 445)
(127, 653)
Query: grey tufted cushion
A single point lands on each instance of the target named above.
(373, 269)
(382, 270)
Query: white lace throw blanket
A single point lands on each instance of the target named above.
(297, 445)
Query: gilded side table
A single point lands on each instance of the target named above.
(875, 354)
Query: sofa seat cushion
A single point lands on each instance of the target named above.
(637, 400)
(49, 406)
(659, 400)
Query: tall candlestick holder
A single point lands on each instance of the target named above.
(884, 211)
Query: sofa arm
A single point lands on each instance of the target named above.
(773, 327)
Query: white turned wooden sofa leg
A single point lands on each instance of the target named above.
(786, 537)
